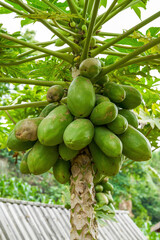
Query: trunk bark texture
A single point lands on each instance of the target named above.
(83, 222)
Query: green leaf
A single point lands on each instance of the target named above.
(26, 22)
(137, 11)
(103, 3)
(4, 10)
(153, 31)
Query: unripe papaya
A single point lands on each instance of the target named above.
(61, 171)
(108, 142)
(119, 125)
(107, 186)
(102, 198)
(17, 145)
(114, 91)
(66, 153)
(64, 100)
(98, 177)
(130, 116)
(135, 145)
(51, 129)
(109, 196)
(24, 165)
(133, 98)
(48, 109)
(41, 158)
(59, 42)
(101, 98)
(92, 42)
(81, 97)
(78, 134)
(55, 93)
(103, 80)
(104, 113)
(99, 188)
(90, 68)
(108, 166)
(26, 129)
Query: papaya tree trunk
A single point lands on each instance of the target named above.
(83, 222)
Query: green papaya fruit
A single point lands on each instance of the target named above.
(41, 158)
(51, 129)
(48, 109)
(64, 100)
(61, 171)
(103, 80)
(135, 145)
(59, 42)
(55, 93)
(104, 113)
(107, 166)
(114, 91)
(133, 98)
(109, 196)
(130, 116)
(108, 142)
(92, 42)
(26, 129)
(78, 134)
(99, 188)
(98, 177)
(81, 97)
(24, 165)
(101, 98)
(17, 145)
(107, 186)
(90, 68)
(102, 198)
(118, 125)
(67, 153)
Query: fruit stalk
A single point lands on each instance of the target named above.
(83, 221)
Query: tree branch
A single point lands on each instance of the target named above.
(90, 30)
(24, 105)
(10, 116)
(120, 37)
(72, 6)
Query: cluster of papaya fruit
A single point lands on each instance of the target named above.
(103, 122)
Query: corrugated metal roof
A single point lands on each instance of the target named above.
(21, 220)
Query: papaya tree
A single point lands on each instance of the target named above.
(87, 129)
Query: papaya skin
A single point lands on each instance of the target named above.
(61, 171)
(135, 145)
(55, 93)
(48, 109)
(67, 153)
(130, 116)
(101, 98)
(119, 125)
(24, 165)
(114, 92)
(90, 68)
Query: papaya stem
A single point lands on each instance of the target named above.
(103, 34)
(24, 105)
(120, 37)
(10, 116)
(90, 30)
(119, 54)
(32, 82)
(85, 9)
(12, 9)
(102, 19)
(72, 6)
(52, 6)
(66, 30)
(126, 165)
(62, 56)
(129, 56)
(90, 6)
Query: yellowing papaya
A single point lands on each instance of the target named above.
(26, 129)
(41, 158)
(130, 116)
(17, 145)
(51, 129)
(81, 97)
(101, 98)
(135, 145)
(66, 153)
(108, 142)
(78, 134)
(61, 171)
(55, 93)
(133, 98)
(24, 165)
(118, 125)
(114, 91)
(104, 113)
(108, 166)
(90, 68)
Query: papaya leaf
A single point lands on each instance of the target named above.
(153, 31)
(103, 3)
(4, 10)
(26, 22)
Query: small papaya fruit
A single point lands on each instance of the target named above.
(51, 129)
(102, 198)
(17, 145)
(130, 116)
(107, 186)
(133, 98)
(24, 165)
(78, 134)
(59, 42)
(104, 113)
(99, 188)
(118, 125)
(109, 196)
(108, 142)
(48, 109)
(98, 177)
(135, 145)
(102, 81)
(55, 93)
(61, 171)
(114, 91)
(41, 158)
(108, 166)
(81, 97)
(90, 68)
(101, 98)
(26, 129)
(67, 153)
